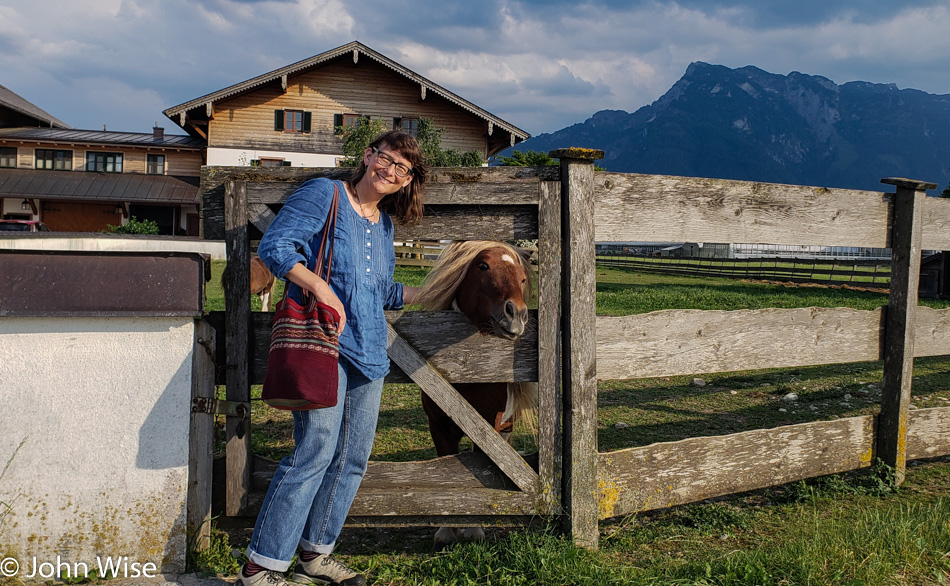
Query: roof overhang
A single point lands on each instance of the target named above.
(89, 186)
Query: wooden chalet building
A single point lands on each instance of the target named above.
(288, 117)
(84, 180)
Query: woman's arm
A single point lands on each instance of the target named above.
(309, 281)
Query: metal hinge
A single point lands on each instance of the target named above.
(220, 407)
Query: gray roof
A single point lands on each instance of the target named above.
(138, 139)
(91, 186)
(356, 49)
(11, 100)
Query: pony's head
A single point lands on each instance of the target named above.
(487, 281)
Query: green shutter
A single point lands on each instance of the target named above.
(337, 120)
(306, 122)
(278, 119)
(397, 123)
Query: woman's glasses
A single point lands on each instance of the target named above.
(386, 161)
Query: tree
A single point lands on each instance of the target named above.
(527, 159)
(430, 141)
(357, 137)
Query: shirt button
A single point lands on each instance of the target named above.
(367, 270)
(368, 244)
(367, 230)
(367, 257)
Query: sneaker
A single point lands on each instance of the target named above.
(325, 569)
(265, 578)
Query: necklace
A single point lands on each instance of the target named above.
(359, 202)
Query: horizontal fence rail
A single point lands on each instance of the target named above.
(659, 208)
(859, 273)
(690, 341)
(675, 473)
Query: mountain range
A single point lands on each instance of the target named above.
(749, 124)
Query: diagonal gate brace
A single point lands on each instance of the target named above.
(447, 398)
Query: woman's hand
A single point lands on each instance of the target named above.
(409, 294)
(319, 288)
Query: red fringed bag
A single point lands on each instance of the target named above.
(304, 349)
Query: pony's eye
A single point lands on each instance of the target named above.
(483, 266)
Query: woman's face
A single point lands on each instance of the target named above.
(384, 167)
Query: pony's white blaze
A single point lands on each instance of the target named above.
(507, 258)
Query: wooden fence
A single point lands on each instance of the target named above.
(567, 209)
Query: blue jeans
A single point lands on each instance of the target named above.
(313, 488)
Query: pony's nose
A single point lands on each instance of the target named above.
(516, 318)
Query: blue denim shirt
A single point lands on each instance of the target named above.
(362, 270)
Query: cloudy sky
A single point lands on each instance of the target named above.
(539, 64)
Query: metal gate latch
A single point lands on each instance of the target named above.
(220, 407)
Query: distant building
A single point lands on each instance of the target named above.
(84, 180)
(290, 116)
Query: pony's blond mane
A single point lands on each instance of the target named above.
(444, 279)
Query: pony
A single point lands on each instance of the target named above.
(262, 281)
(489, 283)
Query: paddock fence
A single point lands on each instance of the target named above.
(567, 209)
(860, 273)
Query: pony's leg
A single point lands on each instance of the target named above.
(445, 434)
(471, 534)
(265, 300)
(447, 536)
(444, 537)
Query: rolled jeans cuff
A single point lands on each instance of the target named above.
(269, 563)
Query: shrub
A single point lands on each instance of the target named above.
(135, 226)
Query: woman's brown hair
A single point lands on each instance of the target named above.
(406, 204)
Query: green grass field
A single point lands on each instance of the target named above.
(844, 529)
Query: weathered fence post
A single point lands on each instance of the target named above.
(236, 294)
(899, 323)
(550, 398)
(578, 335)
(201, 444)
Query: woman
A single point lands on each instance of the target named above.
(313, 488)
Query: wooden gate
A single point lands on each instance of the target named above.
(432, 349)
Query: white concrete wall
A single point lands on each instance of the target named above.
(94, 431)
(215, 248)
(221, 157)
